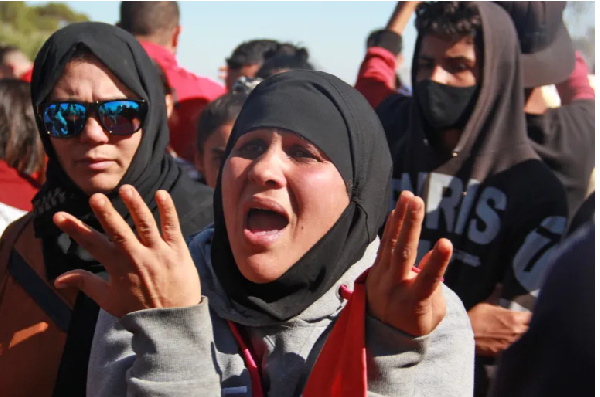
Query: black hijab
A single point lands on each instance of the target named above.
(151, 168)
(337, 119)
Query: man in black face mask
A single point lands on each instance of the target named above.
(461, 144)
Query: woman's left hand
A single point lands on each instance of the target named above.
(409, 301)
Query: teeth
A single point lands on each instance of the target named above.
(267, 232)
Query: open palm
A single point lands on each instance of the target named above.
(407, 299)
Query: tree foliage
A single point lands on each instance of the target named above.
(28, 26)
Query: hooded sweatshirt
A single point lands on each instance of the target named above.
(151, 169)
(503, 210)
(193, 351)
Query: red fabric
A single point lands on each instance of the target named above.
(376, 75)
(27, 75)
(577, 86)
(250, 363)
(16, 190)
(341, 369)
(191, 94)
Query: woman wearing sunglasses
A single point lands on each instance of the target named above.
(100, 112)
(299, 199)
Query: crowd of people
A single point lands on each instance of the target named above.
(286, 233)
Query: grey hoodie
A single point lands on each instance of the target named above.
(191, 351)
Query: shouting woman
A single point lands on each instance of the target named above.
(299, 199)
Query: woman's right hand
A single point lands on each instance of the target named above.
(146, 271)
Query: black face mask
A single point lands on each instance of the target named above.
(444, 106)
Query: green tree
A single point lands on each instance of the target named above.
(28, 26)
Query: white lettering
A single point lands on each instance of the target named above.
(466, 205)
(530, 262)
(443, 196)
(491, 201)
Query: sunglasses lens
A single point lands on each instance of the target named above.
(64, 119)
(121, 117)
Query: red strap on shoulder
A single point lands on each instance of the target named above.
(249, 360)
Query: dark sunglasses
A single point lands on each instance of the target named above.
(66, 119)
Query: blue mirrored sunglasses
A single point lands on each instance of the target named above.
(66, 119)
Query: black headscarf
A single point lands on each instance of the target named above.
(150, 170)
(337, 119)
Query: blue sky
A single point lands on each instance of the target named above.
(334, 32)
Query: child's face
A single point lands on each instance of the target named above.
(209, 161)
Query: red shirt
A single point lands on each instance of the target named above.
(191, 93)
(27, 75)
(16, 190)
(376, 75)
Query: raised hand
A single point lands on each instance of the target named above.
(146, 271)
(409, 301)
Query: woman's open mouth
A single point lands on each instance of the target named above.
(264, 226)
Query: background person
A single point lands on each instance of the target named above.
(461, 142)
(156, 25)
(563, 136)
(246, 59)
(14, 63)
(214, 129)
(22, 158)
(554, 358)
(292, 58)
(46, 333)
(377, 77)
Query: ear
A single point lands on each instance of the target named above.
(175, 37)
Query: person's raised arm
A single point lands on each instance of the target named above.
(377, 74)
(577, 86)
(401, 15)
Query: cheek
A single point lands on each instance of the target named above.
(62, 148)
(321, 195)
(230, 190)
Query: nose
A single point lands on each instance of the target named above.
(439, 75)
(268, 169)
(93, 132)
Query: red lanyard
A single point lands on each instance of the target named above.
(254, 369)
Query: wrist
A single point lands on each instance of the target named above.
(387, 39)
